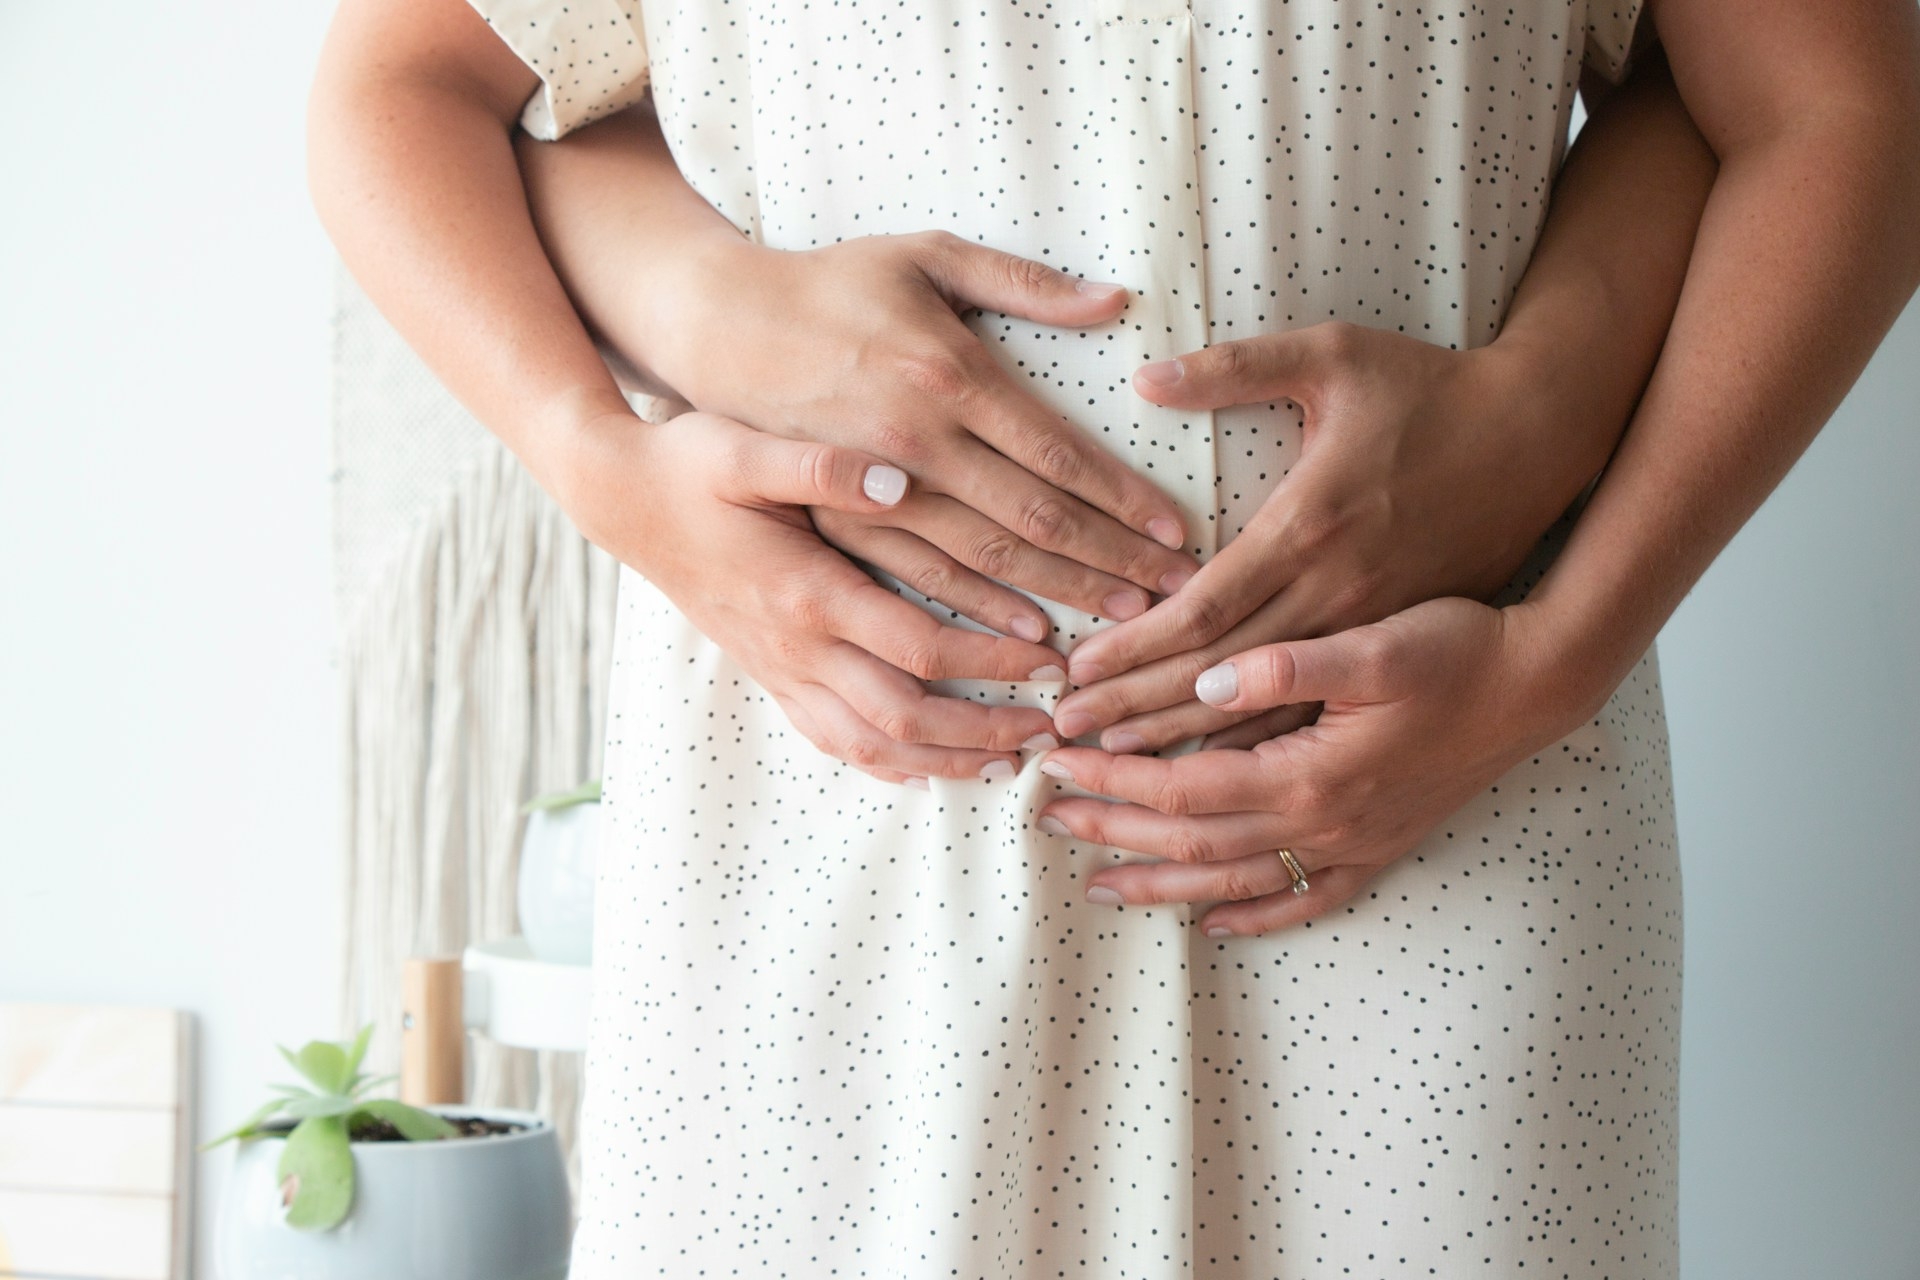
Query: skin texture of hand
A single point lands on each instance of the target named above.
(1421, 476)
(1422, 712)
(861, 343)
(730, 543)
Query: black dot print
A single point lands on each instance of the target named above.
(844, 1029)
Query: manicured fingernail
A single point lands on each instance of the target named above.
(1165, 532)
(996, 771)
(1161, 373)
(1219, 931)
(1122, 605)
(919, 784)
(1084, 673)
(1048, 672)
(1103, 896)
(1175, 580)
(1074, 723)
(1120, 742)
(1040, 742)
(1217, 686)
(1052, 825)
(885, 485)
(1054, 769)
(1029, 629)
(1100, 290)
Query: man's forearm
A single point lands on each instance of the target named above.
(1805, 256)
(1586, 323)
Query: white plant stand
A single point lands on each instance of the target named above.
(495, 989)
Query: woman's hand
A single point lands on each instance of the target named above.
(712, 513)
(1423, 711)
(861, 343)
(1425, 472)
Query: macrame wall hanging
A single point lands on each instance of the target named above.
(475, 629)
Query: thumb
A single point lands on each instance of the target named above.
(1271, 366)
(972, 275)
(769, 470)
(1348, 666)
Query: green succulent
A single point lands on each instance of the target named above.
(586, 793)
(316, 1168)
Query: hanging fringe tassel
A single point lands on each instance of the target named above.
(474, 673)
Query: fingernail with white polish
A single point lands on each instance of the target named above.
(1052, 825)
(1122, 605)
(1054, 769)
(1175, 580)
(1165, 532)
(996, 771)
(1048, 672)
(919, 784)
(1219, 931)
(1123, 743)
(1028, 629)
(1100, 290)
(1162, 373)
(885, 485)
(1217, 686)
(1103, 896)
(1040, 742)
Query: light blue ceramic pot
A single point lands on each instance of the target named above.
(491, 1208)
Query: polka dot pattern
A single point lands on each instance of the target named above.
(847, 1029)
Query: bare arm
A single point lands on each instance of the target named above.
(413, 173)
(1804, 257)
(1806, 254)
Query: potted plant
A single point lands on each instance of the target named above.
(330, 1184)
(557, 857)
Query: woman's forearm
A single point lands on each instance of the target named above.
(413, 174)
(1805, 256)
(613, 209)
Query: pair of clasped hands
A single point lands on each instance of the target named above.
(849, 409)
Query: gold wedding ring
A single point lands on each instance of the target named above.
(1292, 865)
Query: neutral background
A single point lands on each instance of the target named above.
(167, 695)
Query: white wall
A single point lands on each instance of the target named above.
(167, 757)
(168, 746)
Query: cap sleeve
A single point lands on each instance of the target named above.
(590, 55)
(1614, 35)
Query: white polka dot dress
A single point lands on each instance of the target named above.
(846, 1029)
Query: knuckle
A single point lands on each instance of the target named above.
(899, 722)
(1190, 846)
(1312, 529)
(1336, 340)
(994, 552)
(1238, 883)
(919, 657)
(1055, 460)
(937, 580)
(898, 442)
(1025, 274)
(1044, 518)
(862, 752)
(816, 464)
(939, 375)
(1206, 614)
(1172, 799)
(1358, 593)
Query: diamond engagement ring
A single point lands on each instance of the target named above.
(1292, 865)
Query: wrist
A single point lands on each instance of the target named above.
(692, 300)
(1568, 662)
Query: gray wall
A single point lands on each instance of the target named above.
(167, 756)
(1793, 695)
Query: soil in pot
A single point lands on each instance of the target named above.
(375, 1130)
